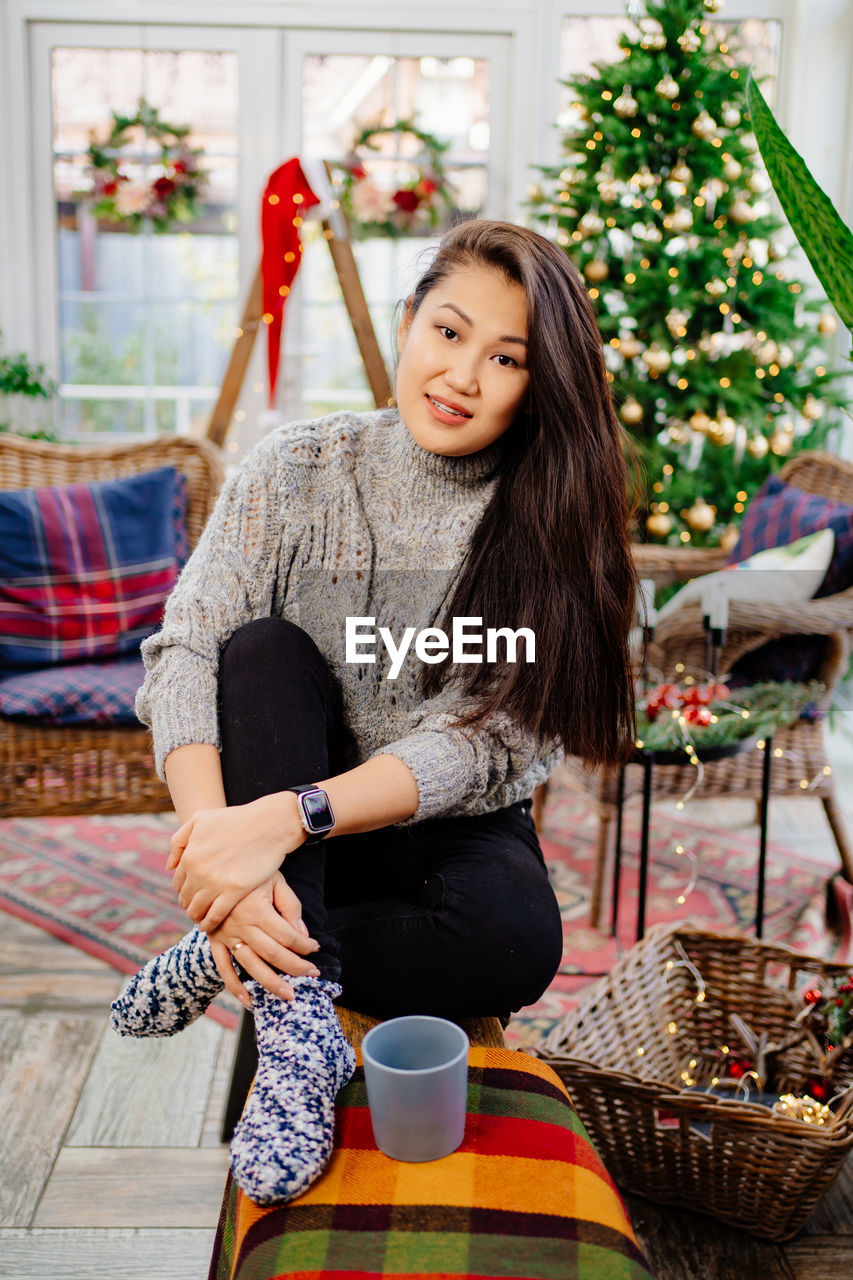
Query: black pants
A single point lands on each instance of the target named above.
(451, 916)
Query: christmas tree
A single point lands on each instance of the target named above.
(714, 352)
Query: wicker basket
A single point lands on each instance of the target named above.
(618, 1052)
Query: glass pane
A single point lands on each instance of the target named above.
(109, 416)
(137, 308)
(342, 95)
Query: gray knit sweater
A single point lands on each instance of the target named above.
(344, 516)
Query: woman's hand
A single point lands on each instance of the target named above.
(221, 855)
(265, 928)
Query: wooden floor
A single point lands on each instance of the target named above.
(110, 1161)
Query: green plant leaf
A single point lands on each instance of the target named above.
(826, 240)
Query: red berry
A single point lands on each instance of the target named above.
(812, 997)
(697, 715)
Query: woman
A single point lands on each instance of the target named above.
(493, 495)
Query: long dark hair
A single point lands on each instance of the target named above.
(551, 551)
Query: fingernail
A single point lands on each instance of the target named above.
(315, 946)
(246, 1001)
(286, 993)
(313, 972)
(302, 926)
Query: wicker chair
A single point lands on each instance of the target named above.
(53, 771)
(681, 638)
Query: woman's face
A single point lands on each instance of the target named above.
(462, 375)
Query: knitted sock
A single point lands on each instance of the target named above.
(171, 991)
(284, 1138)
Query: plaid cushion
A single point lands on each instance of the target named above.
(524, 1196)
(781, 513)
(85, 569)
(83, 693)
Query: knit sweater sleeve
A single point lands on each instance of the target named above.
(465, 770)
(228, 580)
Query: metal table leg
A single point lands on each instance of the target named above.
(617, 856)
(762, 849)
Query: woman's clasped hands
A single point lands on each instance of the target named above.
(220, 855)
(266, 934)
(226, 874)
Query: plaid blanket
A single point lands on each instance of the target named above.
(525, 1196)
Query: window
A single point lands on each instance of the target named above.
(145, 319)
(449, 96)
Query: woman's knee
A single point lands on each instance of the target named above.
(264, 642)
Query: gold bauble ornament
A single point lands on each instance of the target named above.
(732, 170)
(676, 433)
(596, 270)
(667, 88)
(630, 346)
(591, 224)
(700, 516)
(781, 442)
(644, 179)
(722, 431)
(631, 412)
(656, 359)
(812, 409)
(828, 323)
(729, 539)
(626, 106)
(741, 212)
(676, 320)
(681, 219)
(704, 126)
(757, 446)
(690, 41)
(716, 288)
(535, 193)
(731, 117)
(767, 352)
(700, 422)
(652, 35)
(609, 191)
(681, 173)
(658, 524)
(713, 6)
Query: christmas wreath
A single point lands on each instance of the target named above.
(123, 190)
(409, 197)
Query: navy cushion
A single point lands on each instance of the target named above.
(80, 693)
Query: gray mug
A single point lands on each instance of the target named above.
(416, 1073)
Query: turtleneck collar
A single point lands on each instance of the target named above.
(407, 458)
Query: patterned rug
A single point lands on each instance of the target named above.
(99, 884)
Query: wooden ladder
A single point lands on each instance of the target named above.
(337, 236)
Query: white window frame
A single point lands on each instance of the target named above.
(248, 46)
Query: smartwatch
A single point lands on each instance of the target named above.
(315, 811)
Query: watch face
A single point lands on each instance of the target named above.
(317, 810)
